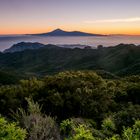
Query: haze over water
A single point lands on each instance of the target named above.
(91, 16)
(8, 41)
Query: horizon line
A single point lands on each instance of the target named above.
(125, 34)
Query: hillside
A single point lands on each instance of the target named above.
(23, 46)
(123, 59)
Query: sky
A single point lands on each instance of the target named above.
(93, 16)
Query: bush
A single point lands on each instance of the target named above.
(75, 131)
(66, 127)
(38, 126)
(81, 133)
(132, 133)
(11, 131)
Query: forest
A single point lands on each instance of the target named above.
(71, 105)
(122, 59)
(69, 69)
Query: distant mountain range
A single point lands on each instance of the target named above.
(23, 46)
(123, 59)
(59, 32)
(32, 46)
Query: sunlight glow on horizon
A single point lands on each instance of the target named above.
(101, 31)
(91, 16)
(89, 29)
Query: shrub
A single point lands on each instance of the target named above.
(38, 126)
(132, 133)
(11, 131)
(66, 127)
(75, 131)
(81, 133)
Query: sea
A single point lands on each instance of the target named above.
(6, 41)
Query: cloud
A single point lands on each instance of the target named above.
(135, 19)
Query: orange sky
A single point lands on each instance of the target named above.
(91, 28)
(93, 16)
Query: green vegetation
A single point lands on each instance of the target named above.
(72, 105)
(9, 77)
(38, 126)
(123, 59)
(10, 131)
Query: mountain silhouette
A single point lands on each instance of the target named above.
(59, 32)
(23, 46)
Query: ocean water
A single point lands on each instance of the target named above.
(8, 41)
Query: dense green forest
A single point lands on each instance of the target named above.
(71, 105)
(123, 59)
(54, 93)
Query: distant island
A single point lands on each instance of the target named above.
(59, 32)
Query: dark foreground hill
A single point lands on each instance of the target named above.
(123, 59)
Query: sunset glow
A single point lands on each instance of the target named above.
(93, 16)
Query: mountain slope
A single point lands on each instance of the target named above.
(121, 60)
(23, 46)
